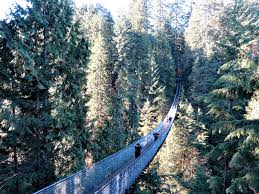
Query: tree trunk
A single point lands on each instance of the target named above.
(46, 97)
(37, 140)
(224, 176)
(15, 142)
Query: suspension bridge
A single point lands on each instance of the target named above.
(116, 173)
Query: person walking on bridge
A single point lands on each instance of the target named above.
(137, 150)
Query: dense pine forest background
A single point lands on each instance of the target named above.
(77, 86)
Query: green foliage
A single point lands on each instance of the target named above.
(185, 173)
(105, 106)
(56, 105)
(42, 102)
(232, 137)
(149, 180)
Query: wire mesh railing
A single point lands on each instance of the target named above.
(127, 176)
(118, 171)
(87, 179)
(122, 180)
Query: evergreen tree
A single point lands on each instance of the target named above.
(184, 146)
(8, 114)
(139, 11)
(201, 57)
(152, 110)
(150, 117)
(105, 114)
(127, 75)
(46, 50)
(57, 107)
(165, 67)
(140, 27)
(235, 143)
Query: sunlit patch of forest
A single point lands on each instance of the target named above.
(77, 85)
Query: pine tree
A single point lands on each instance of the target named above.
(140, 28)
(150, 117)
(184, 146)
(106, 111)
(236, 147)
(166, 66)
(48, 51)
(152, 110)
(8, 116)
(70, 103)
(177, 20)
(202, 59)
(139, 12)
(127, 76)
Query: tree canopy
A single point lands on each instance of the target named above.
(77, 85)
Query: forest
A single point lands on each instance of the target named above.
(77, 82)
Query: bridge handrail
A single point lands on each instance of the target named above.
(127, 176)
(101, 170)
